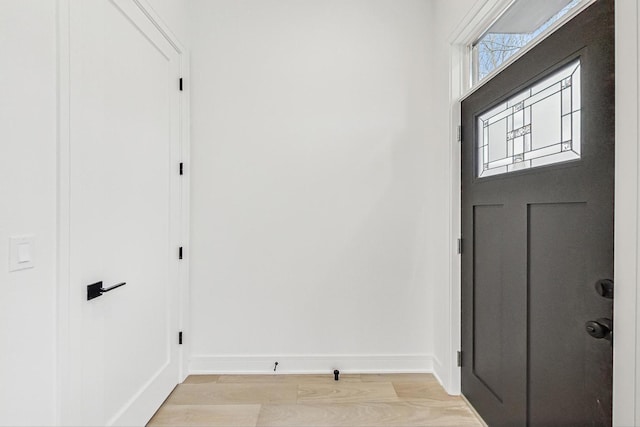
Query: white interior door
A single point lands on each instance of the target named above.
(124, 211)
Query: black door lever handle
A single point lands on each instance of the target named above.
(95, 290)
(113, 287)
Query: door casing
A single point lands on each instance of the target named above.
(66, 388)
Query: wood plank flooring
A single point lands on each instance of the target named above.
(313, 400)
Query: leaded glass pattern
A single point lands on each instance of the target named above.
(536, 127)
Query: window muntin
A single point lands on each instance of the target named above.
(522, 22)
(538, 126)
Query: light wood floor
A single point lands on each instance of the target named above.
(313, 400)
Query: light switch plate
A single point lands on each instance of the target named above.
(21, 252)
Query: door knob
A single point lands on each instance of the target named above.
(604, 288)
(601, 328)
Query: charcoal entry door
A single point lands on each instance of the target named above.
(537, 232)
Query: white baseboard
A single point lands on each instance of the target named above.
(312, 364)
(438, 372)
(444, 378)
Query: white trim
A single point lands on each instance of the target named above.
(626, 349)
(67, 386)
(185, 147)
(312, 364)
(157, 21)
(476, 22)
(437, 369)
(185, 186)
(64, 387)
(626, 380)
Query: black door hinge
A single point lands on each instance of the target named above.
(460, 246)
(180, 253)
(180, 84)
(181, 168)
(180, 337)
(459, 358)
(459, 133)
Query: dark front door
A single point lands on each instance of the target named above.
(537, 229)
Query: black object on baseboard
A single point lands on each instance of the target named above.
(95, 290)
(335, 374)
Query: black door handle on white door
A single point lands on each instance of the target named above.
(95, 290)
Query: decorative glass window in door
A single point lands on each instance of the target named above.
(536, 127)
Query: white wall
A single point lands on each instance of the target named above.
(317, 209)
(28, 206)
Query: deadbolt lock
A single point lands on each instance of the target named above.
(604, 288)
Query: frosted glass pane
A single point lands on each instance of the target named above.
(499, 116)
(576, 133)
(518, 119)
(576, 89)
(543, 152)
(536, 97)
(561, 157)
(518, 148)
(566, 100)
(537, 126)
(545, 122)
(566, 128)
(497, 140)
(495, 110)
(545, 85)
(526, 164)
(519, 98)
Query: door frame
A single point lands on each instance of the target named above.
(66, 388)
(626, 375)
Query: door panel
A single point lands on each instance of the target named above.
(488, 253)
(123, 207)
(536, 240)
(556, 311)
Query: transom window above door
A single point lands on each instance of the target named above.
(518, 26)
(538, 126)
